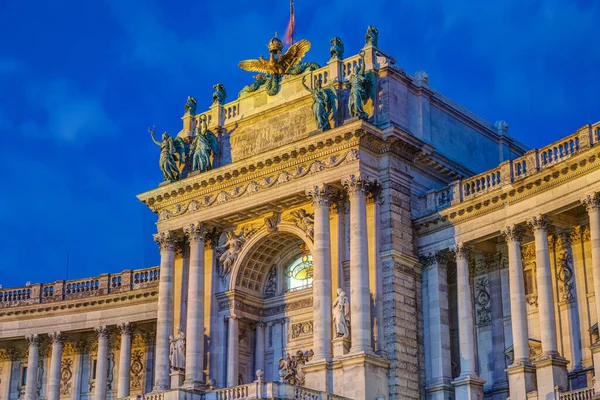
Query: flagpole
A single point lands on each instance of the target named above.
(292, 19)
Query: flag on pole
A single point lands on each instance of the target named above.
(289, 32)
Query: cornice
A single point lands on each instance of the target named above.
(133, 297)
(518, 191)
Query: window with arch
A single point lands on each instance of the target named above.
(299, 273)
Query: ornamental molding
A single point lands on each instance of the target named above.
(136, 370)
(66, 375)
(300, 329)
(483, 300)
(537, 183)
(256, 185)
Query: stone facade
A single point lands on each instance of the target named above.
(460, 285)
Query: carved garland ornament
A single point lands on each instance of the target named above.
(258, 185)
(66, 374)
(137, 369)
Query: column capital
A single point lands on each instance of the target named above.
(428, 259)
(101, 331)
(513, 233)
(461, 250)
(33, 339)
(125, 328)
(358, 184)
(196, 232)
(262, 324)
(166, 240)
(56, 337)
(591, 202)
(320, 195)
(538, 223)
(231, 316)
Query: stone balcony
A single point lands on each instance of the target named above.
(254, 390)
(62, 290)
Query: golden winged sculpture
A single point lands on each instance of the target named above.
(278, 64)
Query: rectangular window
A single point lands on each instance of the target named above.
(24, 376)
(529, 281)
(95, 362)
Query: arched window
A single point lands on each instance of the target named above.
(299, 273)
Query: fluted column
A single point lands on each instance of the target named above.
(521, 373)
(167, 242)
(194, 352)
(232, 352)
(259, 353)
(124, 360)
(54, 377)
(592, 205)
(468, 385)
(32, 367)
(550, 366)
(320, 196)
(360, 294)
(101, 364)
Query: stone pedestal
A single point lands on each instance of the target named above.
(551, 372)
(468, 387)
(177, 378)
(521, 380)
(440, 389)
(318, 375)
(361, 376)
(341, 346)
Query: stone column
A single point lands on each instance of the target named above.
(521, 374)
(232, 351)
(167, 242)
(550, 366)
(101, 364)
(124, 360)
(259, 354)
(194, 352)
(277, 346)
(360, 294)
(592, 205)
(440, 360)
(467, 385)
(320, 196)
(55, 360)
(32, 367)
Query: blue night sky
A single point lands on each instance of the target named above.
(81, 81)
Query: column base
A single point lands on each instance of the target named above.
(521, 380)
(551, 372)
(341, 346)
(317, 375)
(361, 376)
(177, 378)
(441, 389)
(468, 387)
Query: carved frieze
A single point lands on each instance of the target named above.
(300, 329)
(258, 185)
(291, 306)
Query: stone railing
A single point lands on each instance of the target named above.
(580, 394)
(349, 64)
(269, 390)
(79, 288)
(511, 171)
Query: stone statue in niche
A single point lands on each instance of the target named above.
(177, 350)
(372, 36)
(203, 146)
(337, 49)
(324, 103)
(305, 221)
(271, 285)
(363, 86)
(169, 147)
(341, 315)
(290, 367)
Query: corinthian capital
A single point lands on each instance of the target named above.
(461, 251)
(320, 195)
(33, 339)
(357, 184)
(56, 337)
(591, 202)
(196, 232)
(538, 222)
(101, 331)
(166, 240)
(513, 233)
(125, 328)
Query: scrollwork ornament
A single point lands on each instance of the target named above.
(320, 195)
(591, 202)
(196, 232)
(66, 374)
(483, 301)
(167, 241)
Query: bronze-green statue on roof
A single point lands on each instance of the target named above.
(363, 86)
(324, 103)
(169, 147)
